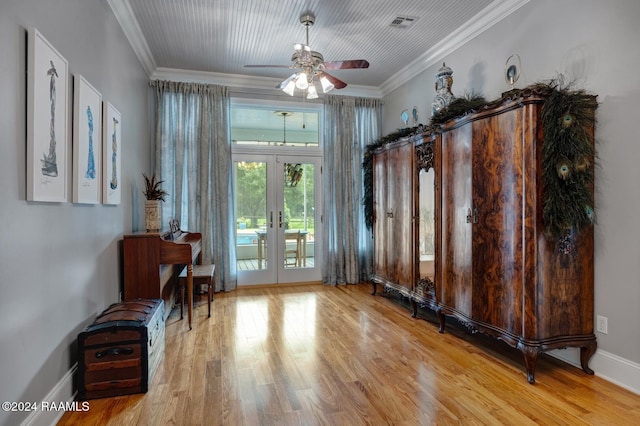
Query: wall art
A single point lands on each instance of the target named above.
(87, 148)
(47, 120)
(111, 154)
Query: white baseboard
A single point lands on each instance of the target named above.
(610, 367)
(61, 393)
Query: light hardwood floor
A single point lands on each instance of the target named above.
(319, 355)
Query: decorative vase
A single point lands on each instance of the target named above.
(152, 215)
(444, 81)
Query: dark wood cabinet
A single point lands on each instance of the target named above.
(499, 273)
(394, 213)
(497, 270)
(404, 229)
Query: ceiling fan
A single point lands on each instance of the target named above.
(311, 64)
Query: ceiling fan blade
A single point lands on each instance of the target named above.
(267, 66)
(337, 83)
(343, 65)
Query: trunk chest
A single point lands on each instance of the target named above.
(119, 353)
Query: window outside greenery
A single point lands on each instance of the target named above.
(251, 187)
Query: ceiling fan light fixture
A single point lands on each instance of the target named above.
(310, 65)
(289, 88)
(312, 93)
(327, 86)
(302, 81)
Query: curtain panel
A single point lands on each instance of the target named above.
(350, 124)
(193, 158)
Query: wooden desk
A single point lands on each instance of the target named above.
(300, 238)
(152, 260)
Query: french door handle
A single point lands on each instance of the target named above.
(280, 219)
(271, 219)
(472, 217)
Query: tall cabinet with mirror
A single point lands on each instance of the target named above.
(427, 235)
(404, 219)
(511, 251)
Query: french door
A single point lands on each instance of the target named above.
(277, 212)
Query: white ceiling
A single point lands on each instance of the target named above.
(213, 39)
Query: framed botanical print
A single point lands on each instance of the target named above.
(87, 146)
(111, 154)
(47, 120)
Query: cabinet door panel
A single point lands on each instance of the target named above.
(498, 231)
(401, 253)
(455, 257)
(380, 227)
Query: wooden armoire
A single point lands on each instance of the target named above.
(403, 258)
(496, 269)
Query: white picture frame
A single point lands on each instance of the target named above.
(87, 142)
(47, 120)
(111, 154)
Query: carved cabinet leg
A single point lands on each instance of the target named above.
(530, 359)
(442, 317)
(414, 308)
(375, 288)
(586, 352)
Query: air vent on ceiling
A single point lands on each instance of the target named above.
(403, 21)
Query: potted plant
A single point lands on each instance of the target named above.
(154, 194)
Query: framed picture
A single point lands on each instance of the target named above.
(87, 147)
(111, 154)
(47, 120)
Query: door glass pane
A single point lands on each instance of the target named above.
(298, 215)
(251, 214)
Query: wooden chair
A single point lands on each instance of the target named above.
(202, 274)
(295, 252)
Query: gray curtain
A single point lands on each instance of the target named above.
(350, 125)
(193, 158)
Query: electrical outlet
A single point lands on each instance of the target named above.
(601, 325)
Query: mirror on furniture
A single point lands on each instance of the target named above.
(426, 225)
(423, 294)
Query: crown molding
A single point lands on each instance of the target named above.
(129, 24)
(245, 82)
(488, 17)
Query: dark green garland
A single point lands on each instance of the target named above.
(459, 107)
(568, 154)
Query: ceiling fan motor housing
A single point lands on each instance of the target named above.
(307, 19)
(307, 58)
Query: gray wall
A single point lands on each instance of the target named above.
(60, 261)
(595, 44)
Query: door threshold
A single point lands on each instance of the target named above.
(292, 284)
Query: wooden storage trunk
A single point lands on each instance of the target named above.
(119, 353)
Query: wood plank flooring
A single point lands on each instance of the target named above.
(320, 355)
